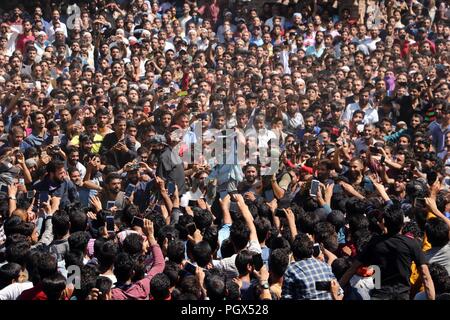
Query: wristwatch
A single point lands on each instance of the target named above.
(265, 285)
(12, 198)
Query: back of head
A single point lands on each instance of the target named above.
(302, 247)
(133, 244)
(78, 241)
(53, 286)
(123, 267)
(60, 225)
(106, 254)
(278, 262)
(244, 259)
(215, 288)
(437, 232)
(8, 273)
(239, 234)
(393, 218)
(78, 221)
(159, 287)
(202, 253)
(176, 251)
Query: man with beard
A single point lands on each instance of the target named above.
(73, 161)
(310, 127)
(55, 182)
(356, 183)
(367, 139)
(114, 148)
(111, 191)
(370, 113)
(251, 182)
(165, 121)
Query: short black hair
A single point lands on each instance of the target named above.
(78, 241)
(159, 287)
(239, 234)
(123, 267)
(53, 286)
(302, 247)
(278, 262)
(202, 253)
(437, 232)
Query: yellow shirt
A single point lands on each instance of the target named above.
(96, 143)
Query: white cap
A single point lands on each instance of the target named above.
(345, 68)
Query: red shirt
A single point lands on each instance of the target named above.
(35, 293)
(22, 41)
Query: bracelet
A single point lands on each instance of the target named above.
(12, 198)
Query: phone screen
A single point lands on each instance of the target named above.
(258, 262)
(189, 267)
(316, 250)
(268, 195)
(223, 194)
(314, 188)
(4, 188)
(110, 204)
(110, 223)
(192, 203)
(170, 188)
(323, 285)
(43, 196)
(129, 190)
(137, 222)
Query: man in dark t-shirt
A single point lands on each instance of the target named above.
(393, 253)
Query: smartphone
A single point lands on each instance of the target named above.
(110, 223)
(129, 190)
(234, 207)
(137, 222)
(56, 141)
(4, 188)
(257, 261)
(374, 150)
(43, 196)
(22, 181)
(30, 194)
(316, 250)
(110, 204)
(191, 227)
(223, 194)
(170, 188)
(323, 285)
(269, 195)
(189, 267)
(280, 213)
(193, 203)
(314, 188)
(419, 203)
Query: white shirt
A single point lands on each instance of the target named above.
(371, 114)
(14, 290)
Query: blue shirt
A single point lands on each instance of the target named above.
(300, 280)
(65, 190)
(35, 140)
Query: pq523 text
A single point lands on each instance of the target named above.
(247, 309)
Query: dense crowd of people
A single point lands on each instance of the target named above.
(225, 150)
